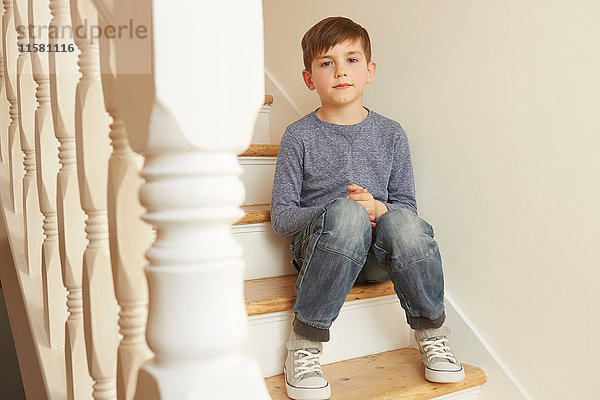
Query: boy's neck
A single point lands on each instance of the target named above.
(348, 115)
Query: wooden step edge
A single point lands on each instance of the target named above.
(269, 295)
(255, 214)
(396, 374)
(261, 150)
(268, 100)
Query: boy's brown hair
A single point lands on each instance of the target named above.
(330, 31)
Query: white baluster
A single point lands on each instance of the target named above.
(15, 156)
(64, 77)
(93, 151)
(46, 150)
(130, 237)
(190, 128)
(32, 216)
(195, 261)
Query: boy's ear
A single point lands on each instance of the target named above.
(371, 67)
(308, 80)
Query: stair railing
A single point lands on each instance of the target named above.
(64, 77)
(10, 53)
(129, 236)
(85, 114)
(47, 166)
(32, 217)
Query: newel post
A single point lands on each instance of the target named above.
(189, 96)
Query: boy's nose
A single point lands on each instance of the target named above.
(339, 73)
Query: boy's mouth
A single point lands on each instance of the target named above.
(342, 86)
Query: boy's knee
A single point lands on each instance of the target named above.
(405, 235)
(343, 204)
(346, 229)
(348, 215)
(403, 223)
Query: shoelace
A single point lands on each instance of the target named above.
(437, 348)
(310, 363)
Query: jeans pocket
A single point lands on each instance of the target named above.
(297, 246)
(297, 263)
(428, 228)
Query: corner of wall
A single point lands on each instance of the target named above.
(470, 347)
(284, 109)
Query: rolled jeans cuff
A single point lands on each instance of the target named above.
(310, 332)
(421, 323)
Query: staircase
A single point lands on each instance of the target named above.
(113, 140)
(370, 354)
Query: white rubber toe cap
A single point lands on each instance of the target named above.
(312, 383)
(445, 376)
(305, 393)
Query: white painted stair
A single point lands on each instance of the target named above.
(369, 354)
(258, 178)
(266, 254)
(365, 341)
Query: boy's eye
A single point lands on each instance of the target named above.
(352, 60)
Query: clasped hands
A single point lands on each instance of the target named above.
(362, 196)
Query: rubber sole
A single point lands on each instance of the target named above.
(296, 393)
(444, 376)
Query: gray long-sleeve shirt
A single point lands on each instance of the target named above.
(317, 160)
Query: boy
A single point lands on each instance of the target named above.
(344, 191)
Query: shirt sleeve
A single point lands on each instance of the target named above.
(287, 216)
(401, 186)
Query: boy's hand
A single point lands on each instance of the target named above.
(375, 208)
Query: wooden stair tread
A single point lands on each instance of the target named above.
(269, 295)
(397, 374)
(261, 150)
(255, 214)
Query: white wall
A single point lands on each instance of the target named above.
(500, 101)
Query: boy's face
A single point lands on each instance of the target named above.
(345, 63)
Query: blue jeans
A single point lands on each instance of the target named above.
(338, 248)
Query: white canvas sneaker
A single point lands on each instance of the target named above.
(304, 379)
(440, 364)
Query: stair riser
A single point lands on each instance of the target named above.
(262, 129)
(363, 327)
(258, 178)
(467, 394)
(266, 254)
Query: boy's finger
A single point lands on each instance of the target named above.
(357, 191)
(358, 196)
(353, 187)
